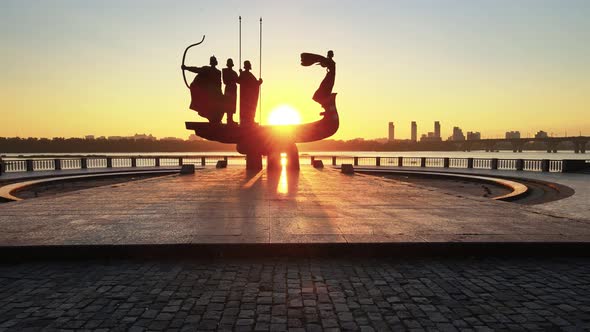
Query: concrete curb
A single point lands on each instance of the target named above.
(7, 190)
(519, 190)
(309, 250)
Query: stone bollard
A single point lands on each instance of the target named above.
(494, 163)
(347, 169)
(187, 169)
(317, 164)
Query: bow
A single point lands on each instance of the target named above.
(184, 56)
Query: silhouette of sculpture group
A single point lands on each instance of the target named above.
(208, 100)
(211, 103)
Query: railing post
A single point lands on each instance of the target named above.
(157, 161)
(469, 162)
(400, 161)
(446, 162)
(312, 159)
(1, 166)
(133, 162)
(30, 165)
(494, 163)
(422, 161)
(203, 161)
(333, 161)
(356, 161)
(57, 163)
(545, 165)
(378, 161)
(109, 162)
(83, 163)
(180, 161)
(519, 164)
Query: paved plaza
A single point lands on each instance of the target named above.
(298, 294)
(313, 206)
(466, 292)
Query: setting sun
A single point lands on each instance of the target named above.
(284, 115)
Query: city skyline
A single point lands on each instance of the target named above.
(111, 68)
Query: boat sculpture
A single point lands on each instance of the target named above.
(256, 140)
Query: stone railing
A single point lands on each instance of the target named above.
(26, 164)
(534, 165)
(94, 162)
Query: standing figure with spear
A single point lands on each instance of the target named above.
(249, 92)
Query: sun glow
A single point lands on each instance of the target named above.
(284, 115)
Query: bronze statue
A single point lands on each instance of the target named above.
(249, 91)
(324, 92)
(206, 96)
(271, 141)
(230, 79)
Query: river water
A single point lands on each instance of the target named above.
(561, 155)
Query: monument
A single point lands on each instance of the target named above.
(252, 139)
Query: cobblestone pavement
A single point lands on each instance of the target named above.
(298, 294)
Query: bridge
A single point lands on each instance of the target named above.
(551, 143)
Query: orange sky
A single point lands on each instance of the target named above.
(71, 68)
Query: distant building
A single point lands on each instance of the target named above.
(473, 135)
(171, 139)
(391, 132)
(89, 137)
(430, 137)
(115, 138)
(457, 135)
(512, 134)
(436, 129)
(101, 137)
(144, 136)
(541, 134)
(414, 131)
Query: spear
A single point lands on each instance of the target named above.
(260, 74)
(240, 60)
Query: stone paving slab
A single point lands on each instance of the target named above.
(298, 295)
(315, 206)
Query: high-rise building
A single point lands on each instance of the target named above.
(391, 132)
(436, 129)
(512, 134)
(473, 135)
(414, 131)
(457, 135)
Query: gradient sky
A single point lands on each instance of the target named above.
(72, 68)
